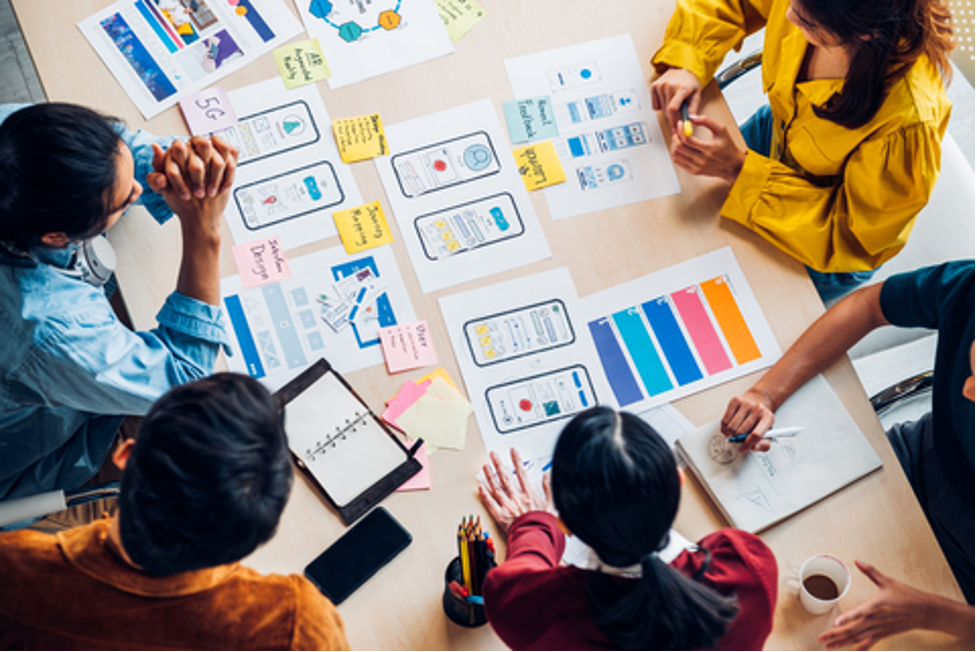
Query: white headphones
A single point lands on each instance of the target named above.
(93, 262)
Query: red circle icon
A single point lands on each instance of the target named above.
(525, 405)
(440, 165)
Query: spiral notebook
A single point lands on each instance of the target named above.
(757, 490)
(349, 453)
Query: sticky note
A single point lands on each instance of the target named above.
(439, 373)
(261, 262)
(301, 63)
(208, 111)
(407, 395)
(530, 120)
(407, 346)
(363, 227)
(441, 416)
(360, 138)
(539, 166)
(459, 16)
(423, 478)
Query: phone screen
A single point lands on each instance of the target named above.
(353, 559)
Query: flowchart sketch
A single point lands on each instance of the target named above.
(527, 369)
(290, 178)
(279, 329)
(365, 39)
(679, 331)
(609, 142)
(160, 50)
(461, 206)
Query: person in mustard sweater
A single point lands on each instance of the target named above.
(845, 155)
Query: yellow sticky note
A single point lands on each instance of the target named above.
(539, 166)
(301, 63)
(439, 373)
(360, 138)
(459, 16)
(363, 227)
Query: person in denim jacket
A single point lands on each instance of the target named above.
(70, 370)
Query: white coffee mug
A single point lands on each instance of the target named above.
(824, 580)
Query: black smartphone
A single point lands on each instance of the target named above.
(357, 555)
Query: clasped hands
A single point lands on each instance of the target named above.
(194, 176)
(716, 156)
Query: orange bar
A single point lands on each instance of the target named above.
(730, 319)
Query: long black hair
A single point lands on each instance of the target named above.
(884, 39)
(616, 487)
(57, 172)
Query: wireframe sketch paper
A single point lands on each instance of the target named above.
(678, 331)
(159, 50)
(279, 329)
(366, 39)
(459, 201)
(290, 179)
(757, 490)
(527, 367)
(610, 142)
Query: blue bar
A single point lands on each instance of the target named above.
(616, 367)
(160, 32)
(672, 341)
(257, 22)
(284, 327)
(642, 350)
(240, 325)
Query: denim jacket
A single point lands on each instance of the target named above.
(71, 372)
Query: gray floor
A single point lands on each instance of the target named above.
(18, 80)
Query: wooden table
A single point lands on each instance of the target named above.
(877, 519)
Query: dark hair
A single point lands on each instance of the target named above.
(616, 487)
(57, 172)
(208, 477)
(884, 39)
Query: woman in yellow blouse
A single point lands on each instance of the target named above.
(847, 152)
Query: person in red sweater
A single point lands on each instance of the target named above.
(615, 486)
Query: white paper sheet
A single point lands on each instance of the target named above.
(756, 490)
(610, 143)
(461, 206)
(159, 50)
(277, 330)
(527, 368)
(290, 178)
(678, 331)
(365, 39)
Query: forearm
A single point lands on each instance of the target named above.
(826, 340)
(199, 276)
(949, 616)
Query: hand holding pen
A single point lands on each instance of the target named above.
(752, 415)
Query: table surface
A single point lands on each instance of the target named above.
(877, 519)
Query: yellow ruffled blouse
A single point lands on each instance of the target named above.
(836, 199)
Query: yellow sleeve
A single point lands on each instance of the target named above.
(701, 32)
(854, 226)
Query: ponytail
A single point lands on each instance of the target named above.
(665, 610)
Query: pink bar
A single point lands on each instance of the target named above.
(698, 325)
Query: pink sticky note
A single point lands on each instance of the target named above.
(406, 397)
(407, 346)
(261, 262)
(208, 111)
(423, 478)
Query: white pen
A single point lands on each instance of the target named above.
(773, 435)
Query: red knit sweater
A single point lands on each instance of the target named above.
(533, 603)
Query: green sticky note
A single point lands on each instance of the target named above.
(530, 120)
(459, 16)
(301, 63)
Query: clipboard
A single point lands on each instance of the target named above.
(338, 442)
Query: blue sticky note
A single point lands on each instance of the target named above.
(530, 120)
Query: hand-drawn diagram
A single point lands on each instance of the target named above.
(468, 226)
(351, 30)
(445, 164)
(520, 332)
(757, 498)
(531, 401)
(721, 451)
(288, 195)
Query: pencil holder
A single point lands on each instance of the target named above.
(467, 612)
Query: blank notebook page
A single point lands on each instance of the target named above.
(338, 439)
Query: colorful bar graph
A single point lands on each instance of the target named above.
(672, 341)
(616, 368)
(700, 329)
(727, 313)
(642, 349)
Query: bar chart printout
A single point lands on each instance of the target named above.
(680, 341)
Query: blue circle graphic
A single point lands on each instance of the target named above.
(477, 157)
